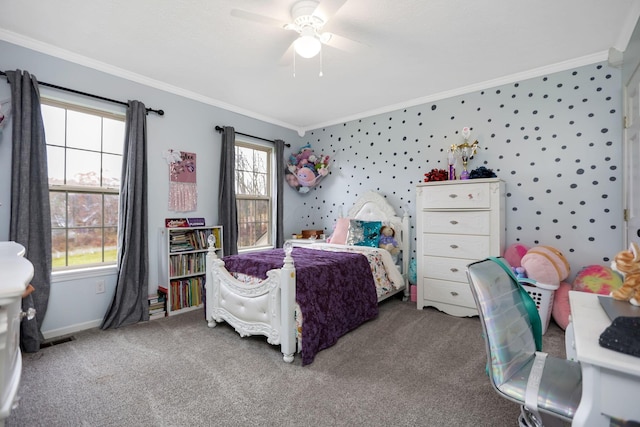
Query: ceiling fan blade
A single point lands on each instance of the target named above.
(327, 8)
(287, 57)
(343, 43)
(260, 19)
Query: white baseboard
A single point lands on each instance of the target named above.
(54, 333)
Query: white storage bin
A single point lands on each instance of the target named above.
(542, 294)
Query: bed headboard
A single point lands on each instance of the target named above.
(373, 206)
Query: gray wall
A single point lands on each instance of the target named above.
(187, 125)
(556, 140)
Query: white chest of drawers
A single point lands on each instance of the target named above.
(457, 222)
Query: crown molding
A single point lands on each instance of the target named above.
(75, 58)
(54, 51)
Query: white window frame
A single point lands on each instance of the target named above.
(270, 150)
(69, 272)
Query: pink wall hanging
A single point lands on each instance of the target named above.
(183, 191)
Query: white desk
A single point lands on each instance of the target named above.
(610, 380)
(17, 272)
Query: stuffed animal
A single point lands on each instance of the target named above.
(546, 264)
(306, 177)
(303, 155)
(387, 240)
(514, 253)
(519, 272)
(307, 169)
(597, 279)
(561, 310)
(628, 263)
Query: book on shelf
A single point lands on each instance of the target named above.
(157, 315)
(156, 306)
(175, 222)
(154, 298)
(186, 292)
(195, 222)
(216, 234)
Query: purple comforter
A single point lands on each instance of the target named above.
(335, 291)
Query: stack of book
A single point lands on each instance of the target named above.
(157, 304)
(180, 241)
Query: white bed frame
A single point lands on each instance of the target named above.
(269, 308)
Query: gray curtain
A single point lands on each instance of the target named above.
(129, 304)
(280, 165)
(227, 209)
(30, 223)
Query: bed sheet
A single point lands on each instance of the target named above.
(386, 273)
(335, 292)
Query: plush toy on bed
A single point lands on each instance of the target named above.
(628, 263)
(388, 240)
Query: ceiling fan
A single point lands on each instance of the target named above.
(308, 18)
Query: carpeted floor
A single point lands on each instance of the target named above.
(405, 368)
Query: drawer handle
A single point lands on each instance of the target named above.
(453, 246)
(453, 196)
(455, 294)
(29, 314)
(453, 221)
(454, 270)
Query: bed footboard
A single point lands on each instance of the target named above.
(265, 309)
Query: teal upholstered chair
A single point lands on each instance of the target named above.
(547, 388)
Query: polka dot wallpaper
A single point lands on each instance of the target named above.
(555, 140)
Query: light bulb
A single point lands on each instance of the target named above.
(307, 46)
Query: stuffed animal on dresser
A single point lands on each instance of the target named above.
(627, 263)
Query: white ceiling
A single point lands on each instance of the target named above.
(409, 51)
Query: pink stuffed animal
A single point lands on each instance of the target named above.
(514, 253)
(546, 264)
(306, 177)
(561, 310)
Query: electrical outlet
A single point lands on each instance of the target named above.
(99, 286)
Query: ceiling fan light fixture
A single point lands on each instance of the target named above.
(307, 46)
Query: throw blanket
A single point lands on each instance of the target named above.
(335, 291)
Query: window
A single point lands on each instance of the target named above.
(254, 182)
(84, 156)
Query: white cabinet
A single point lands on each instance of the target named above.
(457, 222)
(182, 275)
(17, 272)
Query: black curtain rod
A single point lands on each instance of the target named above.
(220, 129)
(115, 101)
